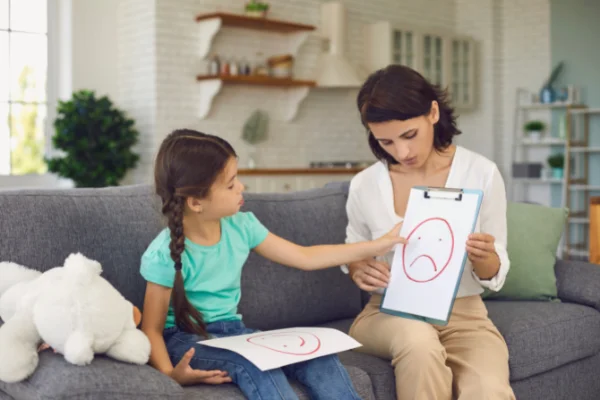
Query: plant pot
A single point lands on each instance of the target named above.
(256, 13)
(557, 173)
(534, 136)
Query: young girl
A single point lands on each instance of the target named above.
(193, 272)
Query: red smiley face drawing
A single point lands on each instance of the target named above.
(423, 265)
(293, 343)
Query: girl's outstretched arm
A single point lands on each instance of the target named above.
(308, 258)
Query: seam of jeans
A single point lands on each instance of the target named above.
(346, 377)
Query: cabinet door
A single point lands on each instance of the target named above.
(462, 64)
(403, 47)
(432, 63)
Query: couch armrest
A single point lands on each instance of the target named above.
(578, 282)
(103, 379)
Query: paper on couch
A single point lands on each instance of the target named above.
(277, 348)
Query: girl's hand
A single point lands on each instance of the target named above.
(186, 375)
(44, 346)
(482, 253)
(386, 243)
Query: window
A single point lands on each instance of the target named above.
(23, 79)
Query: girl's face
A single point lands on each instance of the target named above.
(225, 196)
(409, 142)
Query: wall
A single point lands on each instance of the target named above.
(574, 38)
(137, 77)
(526, 65)
(95, 46)
(327, 125)
(481, 20)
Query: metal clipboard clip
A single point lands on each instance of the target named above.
(443, 193)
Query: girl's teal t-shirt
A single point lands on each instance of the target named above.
(211, 274)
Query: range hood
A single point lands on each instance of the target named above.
(333, 69)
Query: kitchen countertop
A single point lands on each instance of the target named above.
(299, 171)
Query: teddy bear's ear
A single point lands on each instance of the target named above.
(81, 268)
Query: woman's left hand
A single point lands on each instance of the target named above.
(482, 252)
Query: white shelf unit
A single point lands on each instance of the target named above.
(444, 58)
(574, 182)
(284, 37)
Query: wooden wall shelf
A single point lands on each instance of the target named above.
(295, 91)
(263, 24)
(288, 38)
(210, 24)
(258, 80)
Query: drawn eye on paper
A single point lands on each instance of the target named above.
(428, 251)
(293, 343)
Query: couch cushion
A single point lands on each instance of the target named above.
(274, 296)
(534, 232)
(103, 379)
(231, 392)
(40, 228)
(545, 335)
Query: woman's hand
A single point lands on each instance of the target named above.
(387, 242)
(482, 254)
(186, 375)
(370, 275)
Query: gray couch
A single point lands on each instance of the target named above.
(554, 347)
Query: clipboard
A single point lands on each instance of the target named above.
(430, 201)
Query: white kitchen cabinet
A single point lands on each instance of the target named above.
(462, 58)
(443, 58)
(389, 44)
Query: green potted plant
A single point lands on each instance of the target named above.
(534, 129)
(557, 163)
(256, 8)
(96, 139)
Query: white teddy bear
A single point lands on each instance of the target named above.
(72, 309)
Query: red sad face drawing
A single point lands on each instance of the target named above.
(293, 343)
(428, 251)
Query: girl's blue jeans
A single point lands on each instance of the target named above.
(324, 377)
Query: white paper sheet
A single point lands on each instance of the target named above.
(425, 272)
(277, 348)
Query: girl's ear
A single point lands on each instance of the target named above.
(195, 204)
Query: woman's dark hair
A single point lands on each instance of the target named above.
(398, 92)
(187, 164)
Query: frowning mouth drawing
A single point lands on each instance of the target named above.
(428, 251)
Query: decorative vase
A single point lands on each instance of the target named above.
(547, 95)
(557, 173)
(251, 157)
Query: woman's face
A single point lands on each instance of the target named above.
(409, 142)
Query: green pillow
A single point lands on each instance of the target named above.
(534, 233)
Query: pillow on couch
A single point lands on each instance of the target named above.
(534, 233)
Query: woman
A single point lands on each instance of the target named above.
(410, 127)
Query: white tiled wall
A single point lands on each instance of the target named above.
(137, 32)
(160, 62)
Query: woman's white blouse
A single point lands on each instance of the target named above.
(371, 213)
